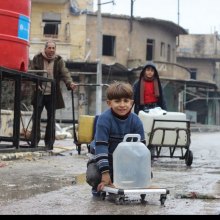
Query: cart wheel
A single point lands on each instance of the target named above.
(189, 158)
(103, 195)
(88, 148)
(143, 198)
(78, 148)
(163, 199)
(120, 200)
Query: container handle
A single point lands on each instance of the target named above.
(132, 138)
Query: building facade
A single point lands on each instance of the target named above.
(127, 43)
(200, 54)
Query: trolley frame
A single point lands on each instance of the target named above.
(187, 154)
(121, 196)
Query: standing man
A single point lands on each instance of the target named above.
(55, 69)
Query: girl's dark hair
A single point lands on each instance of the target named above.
(119, 90)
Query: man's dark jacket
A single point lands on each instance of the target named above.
(60, 73)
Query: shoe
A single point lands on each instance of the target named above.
(49, 147)
(95, 193)
(32, 146)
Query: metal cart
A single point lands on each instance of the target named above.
(76, 140)
(122, 196)
(132, 179)
(168, 135)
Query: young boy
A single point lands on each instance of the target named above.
(148, 91)
(112, 125)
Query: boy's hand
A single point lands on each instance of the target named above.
(106, 181)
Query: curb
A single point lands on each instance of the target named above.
(34, 154)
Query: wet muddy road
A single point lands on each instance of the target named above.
(56, 184)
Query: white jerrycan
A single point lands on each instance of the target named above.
(131, 163)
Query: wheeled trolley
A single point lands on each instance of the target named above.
(132, 172)
(86, 123)
(85, 129)
(170, 130)
(122, 196)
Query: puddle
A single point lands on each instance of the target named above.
(30, 186)
(33, 185)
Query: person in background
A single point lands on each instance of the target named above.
(111, 127)
(55, 69)
(148, 92)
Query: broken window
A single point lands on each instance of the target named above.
(168, 53)
(150, 49)
(51, 22)
(108, 48)
(193, 73)
(162, 49)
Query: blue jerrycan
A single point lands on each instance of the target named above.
(131, 163)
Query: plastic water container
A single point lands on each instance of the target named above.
(163, 119)
(131, 163)
(14, 34)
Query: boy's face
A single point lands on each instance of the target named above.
(120, 106)
(149, 72)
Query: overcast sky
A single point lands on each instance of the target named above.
(198, 16)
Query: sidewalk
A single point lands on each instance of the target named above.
(60, 146)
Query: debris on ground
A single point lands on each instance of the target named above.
(2, 164)
(196, 195)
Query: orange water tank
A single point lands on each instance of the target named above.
(14, 34)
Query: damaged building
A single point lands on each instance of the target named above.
(188, 74)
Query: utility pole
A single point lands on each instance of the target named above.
(131, 16)
(178, 20)
(99, 61)
(178, 13)
(99, 58)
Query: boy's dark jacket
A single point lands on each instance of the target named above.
(161, 101)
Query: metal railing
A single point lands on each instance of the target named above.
(18, 77)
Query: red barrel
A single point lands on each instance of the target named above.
(14, 34)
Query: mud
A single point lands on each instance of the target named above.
(56, 184)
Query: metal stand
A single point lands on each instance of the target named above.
(18, 77)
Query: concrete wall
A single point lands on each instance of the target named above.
(113, 27)
(201, 52)
(77, 38)
(199, 46)
(130, 46)
(72, 35)
(205, 68)
(144, 31)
